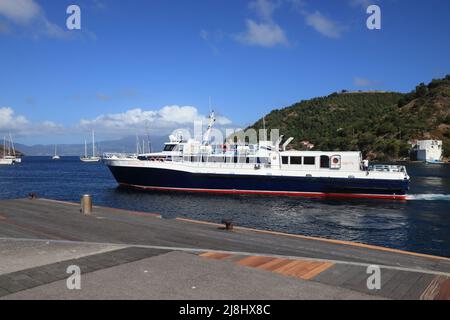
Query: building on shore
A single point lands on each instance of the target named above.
(426, 150)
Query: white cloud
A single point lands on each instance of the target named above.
(365, 83)
(116, 125)
(20, 126)
(264, 8)
(324, 25)
(166, 118)
(9, 121)
(28, 14)
(262, 34)
(50, 125)
(266, 33)
(20, 11)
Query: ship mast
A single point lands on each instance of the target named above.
(207, 134)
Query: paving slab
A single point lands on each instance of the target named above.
(180, 275)
(21, 255)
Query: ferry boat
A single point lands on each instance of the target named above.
(265, 168)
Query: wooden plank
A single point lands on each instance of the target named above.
(274, 264)
(287, 268)
(254, 261)
(433, 288)
(304, 268)
(318, 270)
(444, 291)
(206, 254)
(234, 258)
(215, 255)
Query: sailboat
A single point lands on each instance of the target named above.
(55, 157)
(92, 158)
(9, 145)
(5, 160)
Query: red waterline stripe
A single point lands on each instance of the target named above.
(274, 193)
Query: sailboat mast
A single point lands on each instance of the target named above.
(8, 146)
(93, 144)
(85, 148)
(12, 145)
(137, 145)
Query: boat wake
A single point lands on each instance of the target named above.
(429, 196)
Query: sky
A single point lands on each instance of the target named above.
(152, 65)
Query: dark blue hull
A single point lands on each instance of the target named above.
(164, 179)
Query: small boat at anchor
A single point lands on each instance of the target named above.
(92, 158)
(55, 156)
(9, 152)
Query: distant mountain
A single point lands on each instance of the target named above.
(125, 145)
(380, 124)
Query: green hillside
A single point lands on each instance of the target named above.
(380, 124)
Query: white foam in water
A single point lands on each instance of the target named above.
(429, 196)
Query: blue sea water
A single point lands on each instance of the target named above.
(421, 224)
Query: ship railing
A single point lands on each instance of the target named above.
(115, 155)
(227, 165)
(387, 168)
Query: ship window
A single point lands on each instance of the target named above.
(262, 160)
(285, 160)
(169, 147)
(296, 160)
(309, 160)
(324, 161)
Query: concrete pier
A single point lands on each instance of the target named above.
(138, 255)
